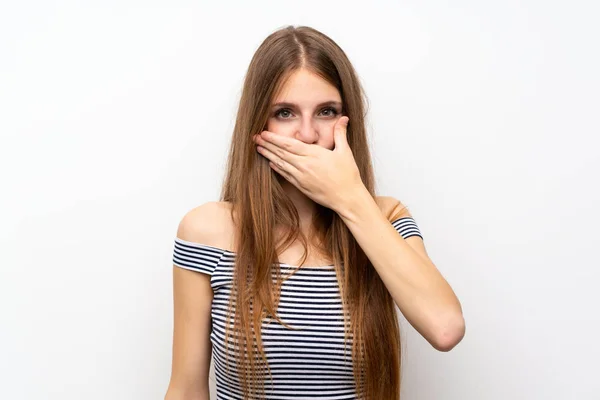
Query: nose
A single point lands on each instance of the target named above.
(307, 131)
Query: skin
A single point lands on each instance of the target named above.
(307, 121)
(317, 164)
(301, 151)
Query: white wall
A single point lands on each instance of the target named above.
(115, 119)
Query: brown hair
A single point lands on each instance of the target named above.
(260, 207)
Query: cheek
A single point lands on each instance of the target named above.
(274, 126)
(327, 141)
(285, 128)
(326, 135)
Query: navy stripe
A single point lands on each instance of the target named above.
(307, 362)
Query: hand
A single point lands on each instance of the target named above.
(329, 177)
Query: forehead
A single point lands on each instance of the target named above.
(305, 87)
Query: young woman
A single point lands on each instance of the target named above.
(291, 281)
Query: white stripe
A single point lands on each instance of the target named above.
(308, 362)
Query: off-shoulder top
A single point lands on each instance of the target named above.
(306, 363)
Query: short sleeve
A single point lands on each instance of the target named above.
(196, 256)
(407, 227)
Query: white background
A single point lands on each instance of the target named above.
(116, 118)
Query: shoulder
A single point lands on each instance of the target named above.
(209, 223)
(392, 208)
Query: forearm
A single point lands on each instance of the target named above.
(417, 287)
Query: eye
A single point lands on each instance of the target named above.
(333, 112)
(286, 113)
(280, 111)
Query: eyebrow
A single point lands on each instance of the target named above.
(292, 105)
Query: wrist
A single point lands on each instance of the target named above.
(356, 203)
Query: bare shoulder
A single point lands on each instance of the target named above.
(192, 302)
(209, 223)
(391, 207)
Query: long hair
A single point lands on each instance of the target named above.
(259, 205)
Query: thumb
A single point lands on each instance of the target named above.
(339, 132)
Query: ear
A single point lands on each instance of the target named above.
(339, 133)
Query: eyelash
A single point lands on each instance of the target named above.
(333, 110)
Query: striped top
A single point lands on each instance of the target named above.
(308, 362)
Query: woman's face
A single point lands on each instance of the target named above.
(306, 109)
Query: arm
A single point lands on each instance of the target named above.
(192, 299)
(417, 287)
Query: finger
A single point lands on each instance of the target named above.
(291, 145)
(280, 152)
(283, 173)
(339, 133)
(282, 166)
